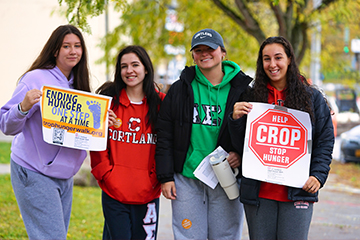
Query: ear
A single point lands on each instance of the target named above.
(56, 54)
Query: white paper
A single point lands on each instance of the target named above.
(204, 171)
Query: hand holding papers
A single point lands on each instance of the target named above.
(214, 168)
(204, 171)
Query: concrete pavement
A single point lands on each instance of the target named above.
(336, 216)
(5, 168)
(5, 138)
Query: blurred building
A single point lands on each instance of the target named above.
(25, 27)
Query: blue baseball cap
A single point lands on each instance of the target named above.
(208, 37)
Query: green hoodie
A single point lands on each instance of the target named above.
(207, 119)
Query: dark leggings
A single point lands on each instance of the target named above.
(279, 220)
(129, 221)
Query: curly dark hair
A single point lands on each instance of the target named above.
(113, 88)
(297, 93)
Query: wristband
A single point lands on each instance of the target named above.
(23, 113)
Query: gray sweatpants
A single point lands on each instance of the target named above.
(279, 220)
(44, 202)
(200, 212)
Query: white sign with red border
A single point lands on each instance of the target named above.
(277, 145)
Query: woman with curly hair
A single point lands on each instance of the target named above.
(272, 210)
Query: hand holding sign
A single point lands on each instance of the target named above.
(31, 97)
(241, 109)
(112, 118)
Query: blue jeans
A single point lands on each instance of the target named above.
(44, 202)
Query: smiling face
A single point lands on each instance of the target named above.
(207, 58)
(275, 63)
(132, 71)
(69, 54)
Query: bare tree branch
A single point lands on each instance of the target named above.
(304, 45)
(279, 15)
(246, 21)
(78, 13)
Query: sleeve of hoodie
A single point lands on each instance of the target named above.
(237, 132)
(323, 139)
(237, 127)
(12, 121)
(164, 146)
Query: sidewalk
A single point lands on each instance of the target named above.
(4, 168)
(5, 138)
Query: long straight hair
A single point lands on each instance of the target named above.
(113, 89)
(47, 59)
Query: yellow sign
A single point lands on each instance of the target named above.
(74, 119)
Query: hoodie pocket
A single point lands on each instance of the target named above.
(130, 185)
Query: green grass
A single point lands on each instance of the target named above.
(5, 152)
(11, 225)
(86, 220)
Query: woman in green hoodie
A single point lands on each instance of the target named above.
(191, 124)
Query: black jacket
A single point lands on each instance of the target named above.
(175, 118)
(321, 156)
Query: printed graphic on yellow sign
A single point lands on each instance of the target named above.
(74, 119)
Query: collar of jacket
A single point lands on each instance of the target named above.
(188, 74)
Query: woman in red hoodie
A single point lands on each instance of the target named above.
(126, 170)
(276, 211)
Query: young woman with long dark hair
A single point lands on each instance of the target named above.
(41, 173)
(126, 170)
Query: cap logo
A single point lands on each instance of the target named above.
(203, 34)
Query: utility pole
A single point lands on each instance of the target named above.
(106, 33)
(316, 50)
(355, 48)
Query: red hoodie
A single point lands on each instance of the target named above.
(270, 190)
(126, 170)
